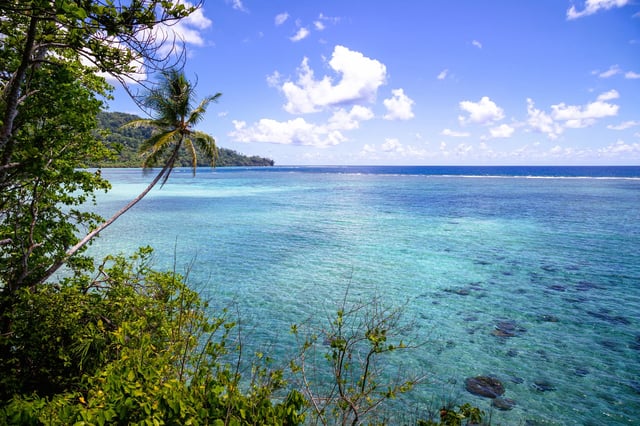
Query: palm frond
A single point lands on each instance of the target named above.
(143, 122)
(152, 159)
(192, 152)
(198, 113)
(158, 141)
(173, 118)
(207, 145)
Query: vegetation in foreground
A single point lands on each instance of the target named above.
(118, 342)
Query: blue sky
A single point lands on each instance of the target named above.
(410, 82)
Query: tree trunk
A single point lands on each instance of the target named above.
(83, 242)
(11, 94)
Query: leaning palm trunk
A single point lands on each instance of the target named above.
(172, 103)
(83, 242)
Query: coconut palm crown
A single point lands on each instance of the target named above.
(173, 118)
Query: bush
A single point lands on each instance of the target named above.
(130, 346)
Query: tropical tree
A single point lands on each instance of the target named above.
(115, 37)
(174, 118)
(53, 58)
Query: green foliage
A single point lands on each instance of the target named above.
(351, 381)
(52, 140)
(130, 346)
(466, 414)
(126, 141)
(50, 95)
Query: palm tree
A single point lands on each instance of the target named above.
(174, 120)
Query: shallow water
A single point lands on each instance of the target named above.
(554, 261)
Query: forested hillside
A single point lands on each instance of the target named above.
(126, 142)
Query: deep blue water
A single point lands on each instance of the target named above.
(548, 254)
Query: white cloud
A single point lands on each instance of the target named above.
(398, 106)
(621, 148)
(502, 131)
(565, 116)
(613, 70)
(368, 150)
(292, 132)
(593, 6)
(331, 19)
(477, 44)
(187, 30)
(273, 80)
(483, 112)
(542, 122)
(237, 5)
(169, 40)
(443, 74)
(576, 116)
(624, 125)
(281, 18)
(300, 35)
(631, 75)
(360, 79)
(607, 96)
(392, 145)
(349, 120)
(394, 148)
(318, 25)
(452, 133)
(300, 132)
(455, 134)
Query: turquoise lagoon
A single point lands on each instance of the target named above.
(527, 274)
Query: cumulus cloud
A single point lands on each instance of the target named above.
(360, 79)
(349, 120)
(565, 116)
(454, 134)
(292, 132)
(483, 112)
(344, 97)
(607, 96)
(542, 122)
(298, 131)
(577, 116)
(502, 131)
(624, 125)
(392, 145)
(631, 75)
(593, 6)
(398, 106)
(443, 74)
(318, 25)
(281, 18)
(477, 44)
(301, 34)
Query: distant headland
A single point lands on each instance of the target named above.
(125, 143)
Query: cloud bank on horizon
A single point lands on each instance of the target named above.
(417, 83)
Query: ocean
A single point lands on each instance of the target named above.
(527, 274)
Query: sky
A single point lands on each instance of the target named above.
(406, 82)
